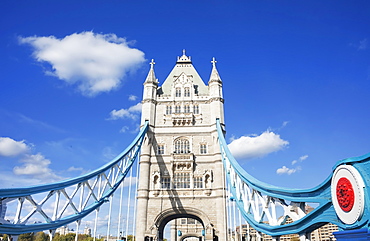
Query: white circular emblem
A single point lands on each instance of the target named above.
(347, 191)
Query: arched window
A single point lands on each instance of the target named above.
(187, 92)
(168, 109)
(160, 149)
(178, 92)
(186, 109)
(203, 148)
(182, 146)
(196, 109)
(177, 109)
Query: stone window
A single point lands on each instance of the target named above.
(177, 109)
(178, 92)
(166, 182)
(198, 182)
(187, 109)
(182, 146)
(203, 148)
(181, 180)
(187, 92)
(191, 221)
(196, 109)
(168, 110)
(160, 149)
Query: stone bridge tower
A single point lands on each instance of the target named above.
(181, 172)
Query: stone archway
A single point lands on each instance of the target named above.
(170, 214)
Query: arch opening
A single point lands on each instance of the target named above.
(181, 228)
(182, 225)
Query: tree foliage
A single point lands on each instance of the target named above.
(41, 236)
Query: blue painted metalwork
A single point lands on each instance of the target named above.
(251, 193)
(357, 234)
(110, 175)
(257, 201)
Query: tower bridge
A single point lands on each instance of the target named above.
(188, 179)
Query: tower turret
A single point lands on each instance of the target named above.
(149, 96)
(215, 93)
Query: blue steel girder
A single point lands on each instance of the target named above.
(81, 195)
(258, 201)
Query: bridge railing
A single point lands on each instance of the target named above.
(49, 206)
(279, 211)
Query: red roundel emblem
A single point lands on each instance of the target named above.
(345, 194)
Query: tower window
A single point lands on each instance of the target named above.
(187, 109)
(160, 149)
(177, 109)
(166, 182)
(182, 146)
(178, 92)
(191, 221)
(187, 92)
(181, 180)
(168, 110)
(203, 148)
(198, 182)
(196, 109)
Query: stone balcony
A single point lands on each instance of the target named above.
(183, 161)
(183, 157)
(182, 119)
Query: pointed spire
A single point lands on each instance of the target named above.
(151, 75)
(214, 62)
(152, 63)
(214, 74)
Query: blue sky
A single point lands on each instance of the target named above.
(296, 80)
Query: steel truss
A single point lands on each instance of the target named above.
(267, 208)
(47, 207)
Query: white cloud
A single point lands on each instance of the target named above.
(301, 159)
(130, 113)
(257, 146)
(124, 129)
(363, 44)
(286, 170)
(36, 166)
(132, 97)
(73, 168)
(94, 62)
(10, 147)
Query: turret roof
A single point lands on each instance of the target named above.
(184, 66)
(214, 74)
(151, 75)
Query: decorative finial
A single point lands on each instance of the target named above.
(152, 64)
(183, 52)
(214, 62)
